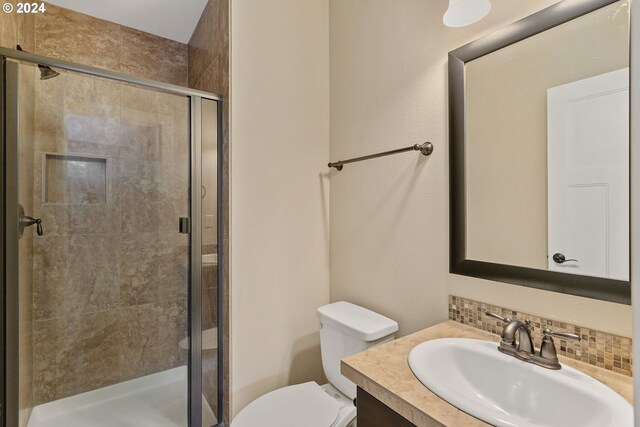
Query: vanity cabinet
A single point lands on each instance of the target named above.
(373, 413)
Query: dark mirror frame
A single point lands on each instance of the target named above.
(618, 291)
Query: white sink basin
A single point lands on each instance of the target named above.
(504, 391)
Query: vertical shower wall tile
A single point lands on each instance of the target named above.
(90, 353)
(139, 178)
(48, 338)
(141, 104)
(92, 283)
(159, 59)
(56, 219)
(74, 275)
(96, 313)
(65, 34)
(141, 142)
(80, 95)
(93, 219)
(72, 36)
(117, 259)
(50, 276)
(139, 268)
(17, 29)
(172, 324)
(180, 171)
(49, 132)
(209, 49)
(141, 341)
(140, 181)
(98, 136)
(174, 268)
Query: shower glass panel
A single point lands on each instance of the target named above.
(104, 294)
(210, 327)
(108, 175)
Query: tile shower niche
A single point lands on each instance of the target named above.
(74, 180)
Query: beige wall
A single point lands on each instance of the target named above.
(389, 217)
(506, 128)
(279, 205)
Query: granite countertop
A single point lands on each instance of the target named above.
(384, 373)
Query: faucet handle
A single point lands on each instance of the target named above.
(548, 352)
(562, 335)
(504, 320)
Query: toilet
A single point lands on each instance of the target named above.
(345, 329)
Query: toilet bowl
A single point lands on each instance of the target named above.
(308, 404)
(345, 329)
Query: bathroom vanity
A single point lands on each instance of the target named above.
(390, 394)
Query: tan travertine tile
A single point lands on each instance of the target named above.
(65, 34)
(597, 348)
(157, 58)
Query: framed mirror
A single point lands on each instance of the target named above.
(539, 152)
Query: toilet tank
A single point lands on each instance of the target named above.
(347, 329)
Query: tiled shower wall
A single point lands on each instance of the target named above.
(97, 317)
(65, 34)
(110, 273)
(103, 315)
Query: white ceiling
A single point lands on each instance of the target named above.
(172, 19)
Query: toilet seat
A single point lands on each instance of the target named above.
(305, 404)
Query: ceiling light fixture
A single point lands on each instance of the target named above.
(465, 12)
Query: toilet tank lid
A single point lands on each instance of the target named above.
(358, 321)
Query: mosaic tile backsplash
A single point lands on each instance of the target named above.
(598, 348)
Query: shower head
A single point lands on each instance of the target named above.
(46, 72)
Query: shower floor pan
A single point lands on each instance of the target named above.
(157, 400)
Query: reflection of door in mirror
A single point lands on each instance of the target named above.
(506, 133)
(588, 181)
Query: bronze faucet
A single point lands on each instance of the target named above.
(523, 348)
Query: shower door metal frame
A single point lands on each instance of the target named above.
(10, 333)
(9, 316)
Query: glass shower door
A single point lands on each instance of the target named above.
(102, 169)
(211, 329)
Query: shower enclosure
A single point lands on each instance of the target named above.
(111, 249)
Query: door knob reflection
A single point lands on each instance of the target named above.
(559, 258)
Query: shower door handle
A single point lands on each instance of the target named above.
(184, 225)
(27, 221)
